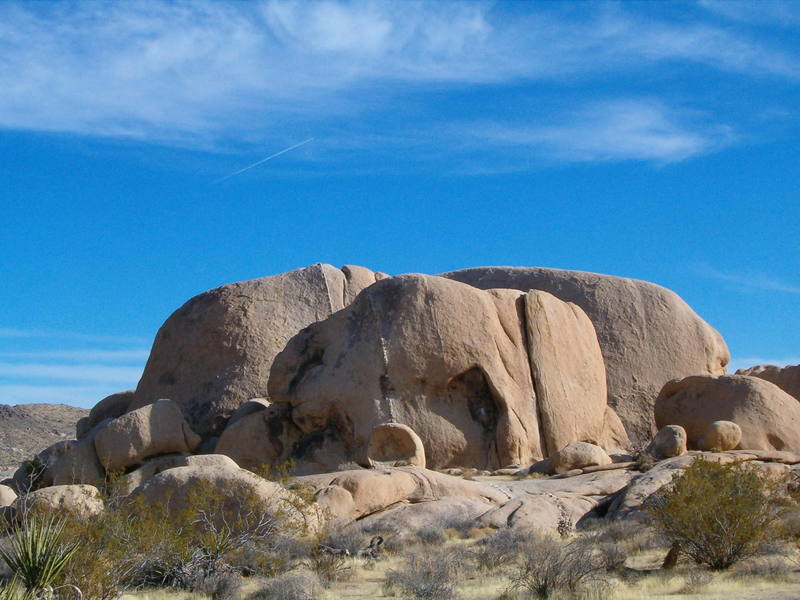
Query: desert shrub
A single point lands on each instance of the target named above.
(426, 575)
(39, 551)
(190, 544)
(644, 462)
(551, 567)
(497, 550)
(290, 586)
(329, 567)
(351, 540)
(717, 514)
(14, 590)
(431, 534)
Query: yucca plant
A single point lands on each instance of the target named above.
(37, 554)
(14, 590)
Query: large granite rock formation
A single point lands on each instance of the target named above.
(647, 334)
(769, 418)
(215, 352)
(485, 378)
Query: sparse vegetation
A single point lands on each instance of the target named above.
(717, 514)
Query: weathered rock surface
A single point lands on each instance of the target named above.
(720, 436)
(268, 437)
(154, 466)
(82, 500)
(568, 374)
(110, 407)
(395, 445)
(373, 490)
(786, 378)
(158, 428)
(647, 334)
(578, 455)
(215, 351)
(669, 441)
(452, 363)
(768, 417)
(231, 491)
(80, 464)
(253, 405)
(39, 472)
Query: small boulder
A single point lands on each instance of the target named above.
(7, 496)
(81, 500)
(110, 407)
(578, 455)
(248, 408)
(154, 466)
(721, 436)
(395, 445)
(80, 463)
(669, 441)
(157, 428)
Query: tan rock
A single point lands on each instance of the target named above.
(768, 417)
(110, 407)
(373, 490)
(395, 445)
(568, 373)
(215, 351)
(232, 492)
(253, 405)
(647, 334)
(669, 441)
(80, 463)
(81, 500)
(578, 455)
(154, 466)
(786, 378)
(158, 428)
(7, 496)
(452, 363)
(261, 439)
(720, 436)
(40, 470)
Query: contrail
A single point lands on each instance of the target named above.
(263, 160)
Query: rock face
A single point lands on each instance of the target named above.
(578, 455)
(215, 351)
(395, 445)
(158, 428)
(769, 418)
(669, 441)
(451, 362)
(7, 496)
(82, 500)
(786, 378)
(721, 436)
(647, 334)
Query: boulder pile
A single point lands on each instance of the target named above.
(402, 401)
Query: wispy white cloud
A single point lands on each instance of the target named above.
(753, 281)
(90, 355)
(783, 13)
(74, 372)
(612, 130)
(198, 73)
(12, 332)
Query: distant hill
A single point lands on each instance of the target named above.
(25, 429)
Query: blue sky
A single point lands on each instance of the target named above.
(655, 140)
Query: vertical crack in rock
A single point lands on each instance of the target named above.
(385, 404)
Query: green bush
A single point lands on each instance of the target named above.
(717, 514)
